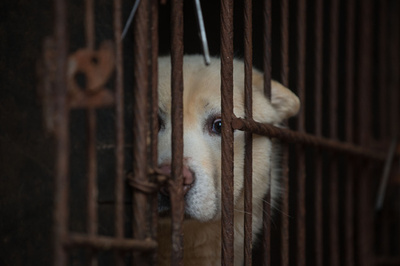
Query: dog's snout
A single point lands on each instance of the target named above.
(188, 177)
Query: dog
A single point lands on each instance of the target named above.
(202, 156)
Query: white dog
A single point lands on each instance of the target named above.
(202, 156)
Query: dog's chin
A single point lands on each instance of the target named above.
(199, 213)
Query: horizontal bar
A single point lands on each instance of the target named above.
(107, 243)
(287, 135)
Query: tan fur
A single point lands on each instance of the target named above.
(202, 151)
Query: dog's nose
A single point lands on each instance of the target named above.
(188, 178)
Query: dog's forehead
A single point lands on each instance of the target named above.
(202, 87)
(200, 91)
(199, 102)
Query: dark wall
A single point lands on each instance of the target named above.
(26, 161)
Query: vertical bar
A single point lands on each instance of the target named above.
(92, 184)
(154, 111)
(227, 247)
(248, 161)
(318, 83)
(349, 86)
(267, 48)
(89, 24)
(364, 221)
(382, 70)
(267, 92)
(285, 156)
(176, 188)
(300, 153)
(395, 64)
(333, 101)
(119, 125)
(91, 138)
(62, 145)
(140, 125)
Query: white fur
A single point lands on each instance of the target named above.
(202, 153)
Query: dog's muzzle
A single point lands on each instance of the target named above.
(188, 178)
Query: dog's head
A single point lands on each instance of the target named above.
(202, 128)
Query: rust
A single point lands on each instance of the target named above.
(318, 208)
(267, 92)
(140, 224)
(176, 184)
(248, 161)
(119, 127)
(154, 114)
(349, 134)
(284, 76)
(96, 67)
(382, 71)
(62, 91)
(349, 214)
(109, 243)
(267, 48)
(289, 136)
(333, 105)
(61, 213)
(300, 152)
(318, 83)
(144, 186)
(92, 220)
(394, 56)
(227, 249)
(364, 217)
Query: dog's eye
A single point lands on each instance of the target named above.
(217, 126)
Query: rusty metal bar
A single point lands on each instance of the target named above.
(318, 83)
(284, 27)
(248, 161)
(61, 192)
(300, 152)
(119, 126)
(227, 247)
(154, 111)
(333, 104)
(395, 64)
(349, 214)
(349, 86)
(92, 221)
(267, 92)
(349, 134)
(140, 125)
(364, 214)
(109, 243)
(176, 185)
(267, 48)
(289, 136)
(382, 70)
(89, 24)
(284, 73)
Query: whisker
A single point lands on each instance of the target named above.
(274, 207)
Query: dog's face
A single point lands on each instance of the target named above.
(202, 133)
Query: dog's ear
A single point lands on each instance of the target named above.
(283, 100)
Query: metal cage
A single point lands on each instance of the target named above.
(343, 59)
